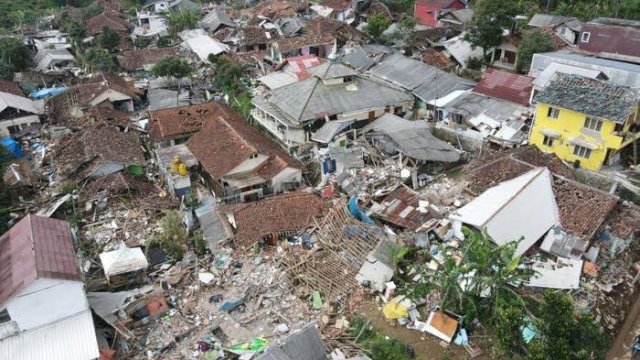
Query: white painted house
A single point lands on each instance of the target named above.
(44, 312)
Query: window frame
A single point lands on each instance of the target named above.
(547, 140)
(581, 151)
(553, 110)
(585, 37)
(588, 121)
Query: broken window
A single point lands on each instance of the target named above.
(553, 113)
(593, 124)
(4, 316)
(581, 151)
(547, 141)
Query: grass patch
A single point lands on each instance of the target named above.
(379, 346)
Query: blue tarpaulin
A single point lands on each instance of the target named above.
(357, 213)
(47, 92)
(13, 148)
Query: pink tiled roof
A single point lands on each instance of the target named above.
(35, 247)
(505, 86)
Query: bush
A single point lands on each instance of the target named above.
(376, 25)
(474, 63)
(142, 42)
(164, 42)
(200, 244)
(173, 236)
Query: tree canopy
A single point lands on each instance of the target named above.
(14, 57)
(109, 39)
(99, 59)
(181, 20)
(376, 25)
(171, 66)
(491, 18)
(536, 42)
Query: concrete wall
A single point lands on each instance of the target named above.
(285, 176)
(570, 125)
(46, 301)
(23, 122)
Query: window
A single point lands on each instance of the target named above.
(563, 30)
(253, 156)
(585, 37)
(581, 151)
(457, 118)
(547, 141)
(593, 124)
(553, 113)
(13, 129)
(4, 316)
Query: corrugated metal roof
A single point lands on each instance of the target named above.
(329, 130)
(618, 72)
(278, 79)
(547, 74)
(413, 139)
(561, 274)
(544, 20)
(506, 86)
(615, 42)
(73, 338)
(305, 343)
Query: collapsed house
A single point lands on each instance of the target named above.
(203, 45)
(17, 113)
(174, 126)
(334, 92)
(412, 141)
(124, 266)
(215, 20)
(53, 60)
(268, 220)
(42, 294)
(98, 151)
(238, 162)
(103, 89)
(144, 59)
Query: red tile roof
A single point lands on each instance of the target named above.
(35, 247)
(610, 39)
(173, 123)
(286, 213)
(108, 19)
(226, 140)
(10, 87)
(506, 86)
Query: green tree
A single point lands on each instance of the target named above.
(173, 236)
(164, 42)
(376, 25)
(490, 19)
(171, 66)
(98, 59)
(536, 42)
(181, 20)
(77, 33)
(563, 336)
(14, 56)
(109, 39)
(506, 326)
(142, 42)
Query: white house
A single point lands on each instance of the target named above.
(44, 312)
(16, 113)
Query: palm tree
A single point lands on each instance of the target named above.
(181, 20)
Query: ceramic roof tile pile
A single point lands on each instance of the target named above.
(286, 213)
(582, 208)
(33, 248)
(10, 87)
(172, 123)
(590, 96)
(136, 59)
(624, 220)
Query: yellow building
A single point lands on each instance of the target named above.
(585, 121)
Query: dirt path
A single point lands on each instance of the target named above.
(621, 348)
(426, 347)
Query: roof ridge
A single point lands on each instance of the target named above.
(511, 198)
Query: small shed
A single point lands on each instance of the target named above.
(124, 265)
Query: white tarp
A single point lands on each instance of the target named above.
(123, 260)
(561, 274)
(522, 207)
